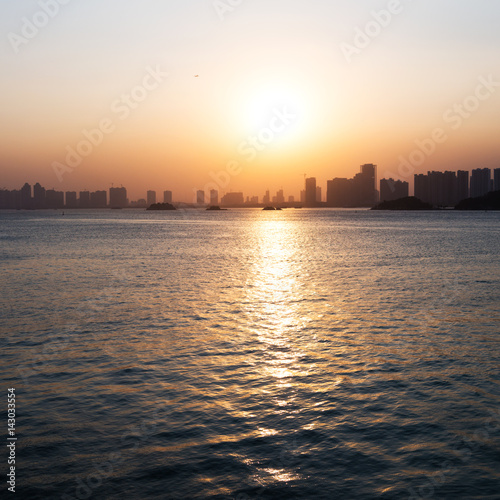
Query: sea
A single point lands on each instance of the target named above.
(249, 354)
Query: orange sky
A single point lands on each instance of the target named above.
(285, 88)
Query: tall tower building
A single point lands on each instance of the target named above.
(318, 194)
(480, 182)
(311, 192)
(26, 201)
(462, 184)
(214, 197)
(167, 196)
(496, 179)
(118, 197)
(39, 196)
(200, 197)
(84, 199)
(151, 197)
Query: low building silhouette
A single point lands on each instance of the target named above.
(233, 200)
(393, 190)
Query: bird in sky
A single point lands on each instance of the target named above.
(196, 76)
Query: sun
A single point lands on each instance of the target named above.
(264, 102)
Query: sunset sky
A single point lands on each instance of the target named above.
(320, 96)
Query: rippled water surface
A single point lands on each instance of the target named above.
(244, 354)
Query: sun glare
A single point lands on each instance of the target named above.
(266, 105)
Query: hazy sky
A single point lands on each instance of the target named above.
(285, 88)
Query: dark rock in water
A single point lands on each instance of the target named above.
(216, 208)
(161, 206)
(407, 203)
(490, 201)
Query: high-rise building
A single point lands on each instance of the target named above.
(99, 199)
(393, 190)
(54, 199)
(318, 194)
(311, 192)
(84, 199)
(26, 200)
(496, 179)
(480, 182)
(214, 197)
(421, 187)
(267, 198)
(151, 197)
(118, 197)
(280, 197)
(462, 185)
(200, 197)
(364, 186)
(39, 196)
(71, 199)
(339, 192)
(450, 194)
(167, 196)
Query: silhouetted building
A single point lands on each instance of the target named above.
(151, 197)
(318, 194)
(99, 199)
(54, 199)
(118, 197)
(421, 188)
(10, 199)
(438, 188)
(39, 196)
(84, 199)
(291, 199)
(360, 191)
(71, 199)
(279, 199)
(462, 185)
(450, 194)
(200, 197)
(233, 199)
(364, 190)
(496, 179)
(311, 192)
(393, 190)
(267, 198)
(339, 192)
(480, 182)
(214, 197)
(140, 203)
(26, 200)
(167, 196)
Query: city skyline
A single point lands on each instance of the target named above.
(190, 96)
(444, 189)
